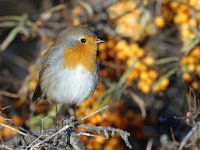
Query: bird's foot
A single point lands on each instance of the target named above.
(72, 121)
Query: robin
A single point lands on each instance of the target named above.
(70, 71)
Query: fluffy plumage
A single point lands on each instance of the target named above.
(69, 71)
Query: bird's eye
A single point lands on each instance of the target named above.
(83, 40)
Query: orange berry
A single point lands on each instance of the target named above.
(183, 8)
(17, 120)
(132, 76)
(77, 10)
(195, 85)
(159, 21)
(185, 32)
(110, 44)
(186, 76)
(153, 74)
(197, 69)
(193, 3)
(191, 67)
(191, 60)
(134, 46)
(149, 60)
(165, 82)
(144, 76)
(140, 67)
(140, 52)
(121, 45)
(140, 84)
(181, 18)
(126, 51)
(184, 60)
(121, 55)
(198, 16)
(196, 52)
(101, 47)
(100, 140)
(130, 62)
(76, 21)
(174, 5)
(146, 89)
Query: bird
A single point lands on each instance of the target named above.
(70, 70)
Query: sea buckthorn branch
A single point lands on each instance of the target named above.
(108, 132)
(63, 135)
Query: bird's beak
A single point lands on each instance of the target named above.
(99, 41)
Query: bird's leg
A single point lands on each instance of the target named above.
(57, 115)
(56, 109)
(72, 121)
(73, 117)
(73, 106)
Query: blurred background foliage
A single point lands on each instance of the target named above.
(149, 62)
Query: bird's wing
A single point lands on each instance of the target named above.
(38, 93)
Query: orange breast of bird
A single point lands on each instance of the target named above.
(83, 54)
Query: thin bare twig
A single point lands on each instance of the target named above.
(58, 132)
(7, 126)
(149, 144)
(105, 107)
(9, 94)
(138, 100)
(188, 136)
(106, 130)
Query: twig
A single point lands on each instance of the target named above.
(89, 134)
(14, 32)
(42, 133)
(58, 132)
(149, 144)
(105, 130)
(9, 94)
(94, 113)
(76, 143)
(5, 147)
(22, 133)
(138, 100)
(87, 7)
(188, 136)
(166, 60)
(111, 65)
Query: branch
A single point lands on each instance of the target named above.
(188, 136)
(105, 130)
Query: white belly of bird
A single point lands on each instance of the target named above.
(68, 85)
